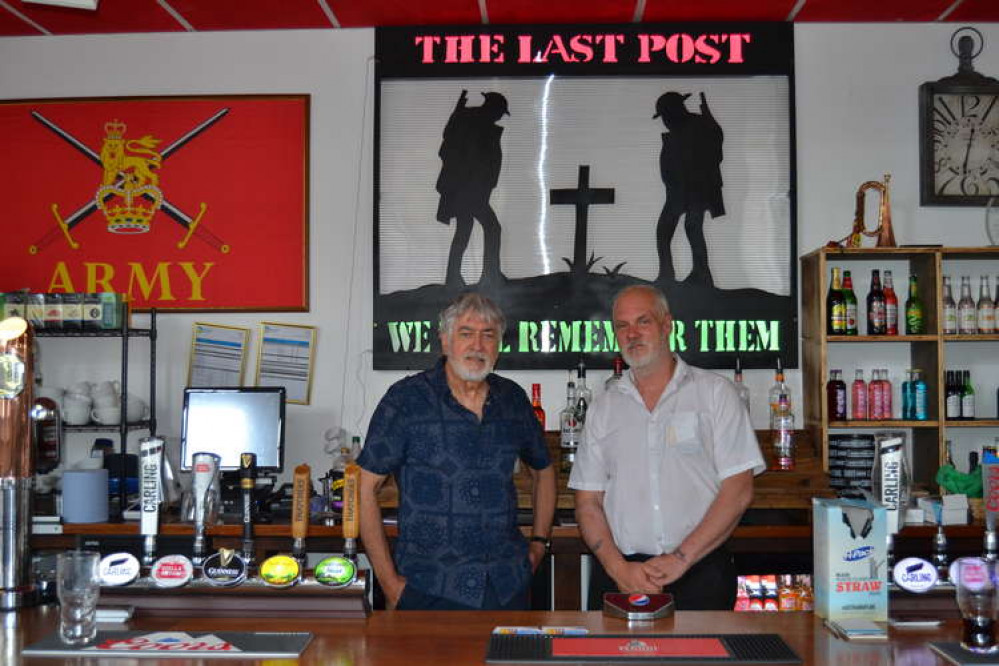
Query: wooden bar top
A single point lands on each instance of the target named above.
(433, 639)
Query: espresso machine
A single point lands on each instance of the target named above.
(16, 462)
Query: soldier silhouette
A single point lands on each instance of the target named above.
(471, 157)
(689, 163)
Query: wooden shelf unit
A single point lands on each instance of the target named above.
(927, 352)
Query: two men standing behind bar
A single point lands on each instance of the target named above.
(451, 436)
(666, 469)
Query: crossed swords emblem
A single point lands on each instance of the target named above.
(191, 225)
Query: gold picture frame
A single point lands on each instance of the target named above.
(285, 357)
(218, 355)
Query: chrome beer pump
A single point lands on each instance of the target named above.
(17, 378)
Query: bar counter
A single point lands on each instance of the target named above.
(436, 638)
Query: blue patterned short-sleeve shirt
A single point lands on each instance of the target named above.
(457, 501)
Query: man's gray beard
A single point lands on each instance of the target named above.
(469, 375)
(638, 363)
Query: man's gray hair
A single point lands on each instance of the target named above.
(471, 302)
(661, 305)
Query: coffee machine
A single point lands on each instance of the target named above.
(17, 379)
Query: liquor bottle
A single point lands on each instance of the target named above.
(914, 316)
(967, 397)
(836, 396)
(787, 594)
(967, 316)
(617, 374)
(908, 397)
(876, 324)
(783, 436)
(852, 313)
(835, 306)
(583, 394)
(740, 385)
(952, 397)
(986, 308)
(949, 309)
(874, 410)
(539, 411)
(891, 306)
(921, 397)
(940, 559)
(570, 429)
(858, 404)
(779, 388)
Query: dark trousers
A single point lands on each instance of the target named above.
(708, 585)
(413, 599)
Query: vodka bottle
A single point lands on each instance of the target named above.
(986, 308)
(618, 372)
(583, 394)
(570, 429)
(740, 385)
(967, 316)
(949, 309)
(783, 437)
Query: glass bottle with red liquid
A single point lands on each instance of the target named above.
(891, 306)
(539, 411)
(859, 398)
(836, 396)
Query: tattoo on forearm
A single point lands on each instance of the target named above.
(595, 547)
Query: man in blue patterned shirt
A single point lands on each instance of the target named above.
(451, 436)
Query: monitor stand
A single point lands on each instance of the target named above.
(232, 496)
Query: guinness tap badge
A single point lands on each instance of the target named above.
(224, 568)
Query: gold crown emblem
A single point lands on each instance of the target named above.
(115, 129)
(129, 210)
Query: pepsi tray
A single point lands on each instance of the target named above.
(628, 648)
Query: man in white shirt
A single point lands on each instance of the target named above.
(666, 468)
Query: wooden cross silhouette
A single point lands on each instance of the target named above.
(582, 197)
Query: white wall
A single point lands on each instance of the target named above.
(856, 105)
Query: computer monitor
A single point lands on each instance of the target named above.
(228, 421)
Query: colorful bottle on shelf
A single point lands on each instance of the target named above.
(915, 320)
(891, 306)
(952, 397)
(967, 315)
(967, 397)
(874, 394)
(779, 388)
(986, 315)
(539, 411)
(858, 402)
(949, 309)
(876, 316)
(908, 396)
(835, 306)
(852, 312)
(887, 409)
(921, 399)
(836, 396)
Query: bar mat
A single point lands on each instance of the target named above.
(179, 644)
(954, 653)
(626, 648)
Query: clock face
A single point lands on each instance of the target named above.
(965, 145)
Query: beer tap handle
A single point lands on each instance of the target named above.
(205, 465)
(351, 513)
(300, 491)
(247, 482)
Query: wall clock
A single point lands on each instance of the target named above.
(959, 132)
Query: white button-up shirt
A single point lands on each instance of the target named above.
(660, 470)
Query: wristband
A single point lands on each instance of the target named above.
(545, 540)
